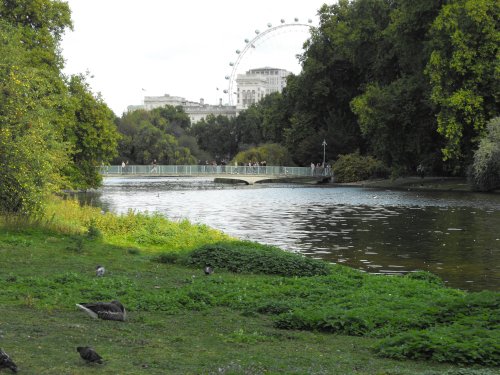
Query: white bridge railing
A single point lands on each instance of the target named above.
(209, 170)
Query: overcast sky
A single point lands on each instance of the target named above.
(182, 48)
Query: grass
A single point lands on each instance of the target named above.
(182, 322)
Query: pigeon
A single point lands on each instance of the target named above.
(100, 270)
(89, 354)
(6, 362)
(208, 270)
(113, 310)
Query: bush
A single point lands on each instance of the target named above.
(354, 167)
(272, 153)
(250, 257)
(484, 174)
(456, 343)
(426, 276)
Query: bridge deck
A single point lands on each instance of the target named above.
(229, 174)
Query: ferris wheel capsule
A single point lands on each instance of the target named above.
(296, 19)
(309, 20)
(225, 91)
(226, 77)
(238, 51)
(231, 64)
(246, 40)
(269, 24)
(282, 20)
(257, 31)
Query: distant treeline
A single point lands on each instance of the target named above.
(411, 83)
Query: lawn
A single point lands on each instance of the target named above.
(183, 322)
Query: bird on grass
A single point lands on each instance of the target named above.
(113, 310)
(99, 271)
(208, 270)
(6, 362)
(89, 355)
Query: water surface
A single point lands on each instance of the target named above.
(454, 235)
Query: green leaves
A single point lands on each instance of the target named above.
(485, 170)
(53, 133)
(149, 135)
(464, 74)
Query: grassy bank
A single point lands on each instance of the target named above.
(262, 311)
(420, 184)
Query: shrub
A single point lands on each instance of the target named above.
(484, 174)
(272, 153)
(426, 276)
(250, 257)
(354, 167)
(456, 343)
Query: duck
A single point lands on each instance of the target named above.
(99, 271)
(6, 362)
(113, 310)
(88, 354)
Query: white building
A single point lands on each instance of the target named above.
(257, 83)
(195, 110)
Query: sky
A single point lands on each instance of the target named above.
(133, 49)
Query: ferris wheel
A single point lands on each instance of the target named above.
(253, 43)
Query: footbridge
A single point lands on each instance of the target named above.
(223, 173)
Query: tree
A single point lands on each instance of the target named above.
(149, 135)
(32, 151)
(271, 153)
(464, 73)
(485, 170)
(93, 134)
(217, 135)
(53, 132)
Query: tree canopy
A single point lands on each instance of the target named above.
(53, 130)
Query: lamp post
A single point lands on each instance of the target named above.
(324, 151)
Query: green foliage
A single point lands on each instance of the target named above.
(485, 170)
(407, 317)
(425, 276)
(216, 135)
(462, 344)
(354, 167)
(31, 148)
(150, 135)
(399, 128)
(53, 133)
(272, 153)
(93, 135)
(250, 257)
(463, 69)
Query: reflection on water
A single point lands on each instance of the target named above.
(454, 235)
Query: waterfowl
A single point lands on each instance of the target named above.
(113, 310)
(6, 362)
(99, 271)
(88, 354)
(208, 270)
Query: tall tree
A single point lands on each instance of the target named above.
(93, 134)
(395, 115)
(150, 135)
(53, 131)
(464, 69)
(32, 151)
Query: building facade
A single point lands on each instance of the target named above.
(257, 83)
(195, 110)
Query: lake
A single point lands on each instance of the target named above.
(454, 235)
